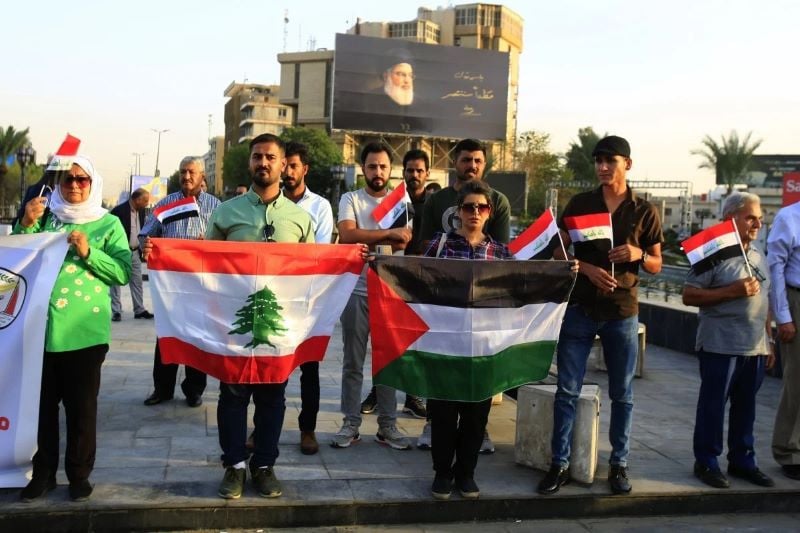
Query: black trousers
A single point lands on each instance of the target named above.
(457, 431)
(71, 378)
(309, 396)
(165, 375)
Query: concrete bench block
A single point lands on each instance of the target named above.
(600, 364)
(535, 430)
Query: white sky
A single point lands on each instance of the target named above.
(661, 74)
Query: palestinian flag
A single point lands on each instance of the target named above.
(591, 227)
(62, 159)
(712, 245)
(247, 312)
(464, 330)
(539, 240)
(183, 208)
(392, 207)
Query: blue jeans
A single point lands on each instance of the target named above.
(620, 349)
(722, 377)
(270, 402)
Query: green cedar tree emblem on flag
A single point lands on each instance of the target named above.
(261, 317)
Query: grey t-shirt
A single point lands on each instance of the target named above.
(735, 327)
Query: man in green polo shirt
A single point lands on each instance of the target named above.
(263, 214)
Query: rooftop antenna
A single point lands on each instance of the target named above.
(209, 125)
(285, 28)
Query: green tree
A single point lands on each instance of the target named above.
(11, 140)
(579, 156)
(729, 159)
(261, 317)
(236, 167)
(174, 183)
(322, 155)
(542, 167)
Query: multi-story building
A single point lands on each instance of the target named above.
(213, 161)
(307, 77)
(251, 110)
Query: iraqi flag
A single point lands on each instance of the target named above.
(591, 227)
(539, 240)
(464, 330)
(183, 208)
(247, 312)
(62, 159)
(392, 207)
(717, 243)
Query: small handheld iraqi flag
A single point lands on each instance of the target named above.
(717, 243)
(392, 207)
(464, 330)
(248, 312)
(183, 208)
(539, 240)
(591, 227)
(62, 160)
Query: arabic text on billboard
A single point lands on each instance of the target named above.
(401, 87)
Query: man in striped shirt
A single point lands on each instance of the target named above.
(179, 223)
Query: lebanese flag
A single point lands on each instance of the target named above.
(62, 160)
(539, 240)
(464, 330)
(393, 205)
(183, 208)
(717, 243)
(248, 312)
(591, 227)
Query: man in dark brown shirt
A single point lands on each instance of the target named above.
(605, 303)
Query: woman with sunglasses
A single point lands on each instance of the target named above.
(78, 323)
(457, 428)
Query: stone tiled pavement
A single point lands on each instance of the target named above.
(168, 455)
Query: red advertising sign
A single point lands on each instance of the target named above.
(791, 188)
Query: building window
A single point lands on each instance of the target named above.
(667, 211)
(282, 113)
(466, 16)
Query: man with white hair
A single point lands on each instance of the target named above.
(398, 83)
(734, 345)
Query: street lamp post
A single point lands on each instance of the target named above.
(25, 156)
(338, 172)
(158, 148)
(138, 166)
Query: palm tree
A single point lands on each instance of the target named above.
(11, 140)
(730, 159)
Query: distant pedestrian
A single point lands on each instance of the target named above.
(132, 215)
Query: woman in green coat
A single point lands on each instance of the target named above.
(78, 323)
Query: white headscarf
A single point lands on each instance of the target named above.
(88, 211)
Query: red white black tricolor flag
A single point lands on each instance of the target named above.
(714, 244)
(247, 312)
(183, 208)
(464, 330)
(539, 240)
(393, 206)
(590, 227)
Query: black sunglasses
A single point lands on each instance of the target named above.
(471, 208)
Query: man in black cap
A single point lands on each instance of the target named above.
(614, 233)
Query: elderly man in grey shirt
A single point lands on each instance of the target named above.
(733, 347)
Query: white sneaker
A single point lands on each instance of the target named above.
(487, 446)
(391, 436)
(424, 440)
(347, 435)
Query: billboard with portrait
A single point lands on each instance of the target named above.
(407, 88)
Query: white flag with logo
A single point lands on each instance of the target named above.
(29, 265)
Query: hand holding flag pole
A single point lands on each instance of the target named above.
(744, 254)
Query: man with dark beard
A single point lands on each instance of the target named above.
(264, 214)
(357, 226)
(319, 209)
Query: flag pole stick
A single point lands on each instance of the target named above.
(560, 240)
(610, 225)
(744, 254)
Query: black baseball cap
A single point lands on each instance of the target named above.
(612, 145)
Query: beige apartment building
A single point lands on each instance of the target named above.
(251, 110)
(213, 161)
(307, 77)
